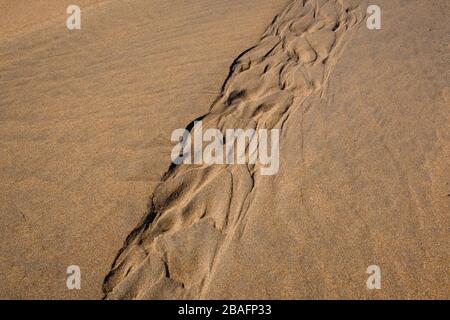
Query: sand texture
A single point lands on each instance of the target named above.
(364, 175)
(86, 117)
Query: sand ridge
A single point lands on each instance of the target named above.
(173, 253)
(86, 121)
(85, 115)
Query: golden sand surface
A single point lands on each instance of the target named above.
(364, 172)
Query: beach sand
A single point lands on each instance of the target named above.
(86, 176)
(86, 118)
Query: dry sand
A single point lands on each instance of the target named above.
(364, 175)
(85, 127)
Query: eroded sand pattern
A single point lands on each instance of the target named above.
(364, 173)
(207, 224)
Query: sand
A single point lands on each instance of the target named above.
(364, 173)
(86, 118)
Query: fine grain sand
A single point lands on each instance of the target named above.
(86, 118)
